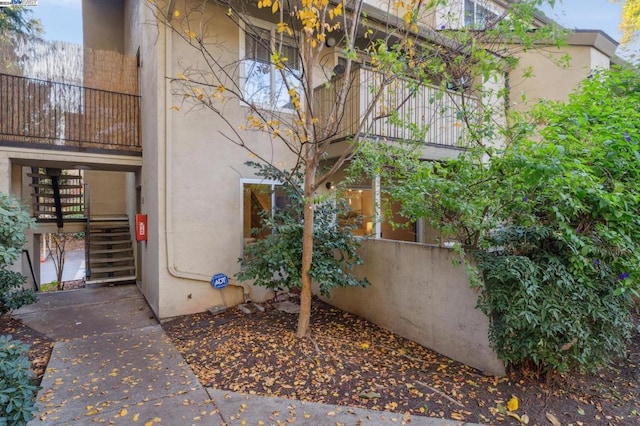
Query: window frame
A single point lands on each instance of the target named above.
(473, 21)
(273, 72)
(255, 181)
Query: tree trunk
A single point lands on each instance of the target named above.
(311, 166)
(307, 253)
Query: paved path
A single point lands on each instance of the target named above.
(73, 267)
(113, 364)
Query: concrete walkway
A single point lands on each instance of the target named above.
(112, 363)
(73, 267)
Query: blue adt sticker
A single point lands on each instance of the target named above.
(220, 281)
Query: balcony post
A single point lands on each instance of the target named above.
(377, 208)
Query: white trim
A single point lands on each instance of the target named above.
(260, 181)
(452, 14)
(255, 181)
(272, 28)
(377, 205)
(486, 4)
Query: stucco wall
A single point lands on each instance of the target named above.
(417, 293)
(203, 193)
(550, 80)
(107, 192)
(151, 125)
(102, 24)
(191, 176)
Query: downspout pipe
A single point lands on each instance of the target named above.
(168, 184)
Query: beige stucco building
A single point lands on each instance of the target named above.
(177, 166)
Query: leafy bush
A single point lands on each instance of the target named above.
(553, 219)
(542, 314)
(17, 393)
(275, 261)
(14, 220)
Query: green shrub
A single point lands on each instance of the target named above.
(14, 220)
(542, 315)
(17, 393)
(553, 219)
(275, 261)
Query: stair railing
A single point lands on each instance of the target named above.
(87, 235)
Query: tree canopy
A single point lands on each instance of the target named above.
(17, 20)
(630, 20)
(404, 52)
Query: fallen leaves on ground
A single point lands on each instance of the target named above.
(350, 361)
(40, 346)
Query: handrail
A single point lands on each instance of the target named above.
(33, 275)
(432, 111)
(87, 235)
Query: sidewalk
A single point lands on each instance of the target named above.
(112, 363)
(73, 267)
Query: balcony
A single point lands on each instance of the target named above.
(428, 113)
(48, 115)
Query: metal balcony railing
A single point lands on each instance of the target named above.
(52, 115)
(405, 111)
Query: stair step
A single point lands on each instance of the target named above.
(50, 195)
(110, 269)
(111, 259)
(109, 224)
(65, 214)
(67, 219)
(45, 176)
(61, 204)
(110, 218)
(111, 251)
(110, 280)
(115, 229)
(109, 234)
(44, 185)
(110, 243)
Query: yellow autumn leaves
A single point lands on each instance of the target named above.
(311, 15)
(274, 5)
(630, 22)
(93, 410)
(512, 406)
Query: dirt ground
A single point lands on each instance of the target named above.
(349, 361)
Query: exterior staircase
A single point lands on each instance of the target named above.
(109, 252)
(57, 195)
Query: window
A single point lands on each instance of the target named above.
(363, 205)
(264, 84)
(477, 15)
(259, 199)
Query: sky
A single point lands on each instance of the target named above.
(62, 19)
(587, 15)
